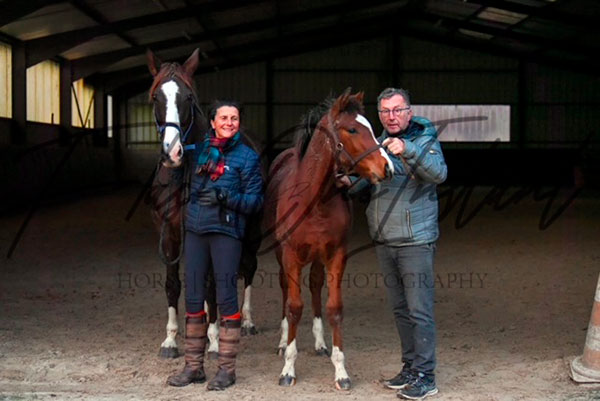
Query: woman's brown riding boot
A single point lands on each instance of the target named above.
(229, 344)
(195, 343)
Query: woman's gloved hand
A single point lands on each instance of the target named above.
(211, 196)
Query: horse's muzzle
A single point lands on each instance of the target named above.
(388, 171)
(172, 155)
(169, 161)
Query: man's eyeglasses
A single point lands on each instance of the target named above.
(397, 111)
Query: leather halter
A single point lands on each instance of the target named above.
(160, 128)
(340, 151)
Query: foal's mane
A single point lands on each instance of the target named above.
(168, 71)
(310, 120)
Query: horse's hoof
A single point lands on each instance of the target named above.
(281, 351)
(213, 356)
(287, 381)
(322, 352)
(249, 331)
(343, 384)
(168, 352)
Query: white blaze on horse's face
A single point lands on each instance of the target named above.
(362, 119)
(171, 140)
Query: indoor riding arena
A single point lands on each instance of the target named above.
(512, 87)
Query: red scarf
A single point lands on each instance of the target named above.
(211, 160)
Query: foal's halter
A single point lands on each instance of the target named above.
(340, 151)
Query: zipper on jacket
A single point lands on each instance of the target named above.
(410, 233)
(378, 232)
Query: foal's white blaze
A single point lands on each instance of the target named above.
(247, 308)
(171, 140)
(337, 357)
(172, 329)
(362, 119)
(284, 334)
(213, 337)
(317, 330)
(291, 353)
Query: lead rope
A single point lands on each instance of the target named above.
(185, 191)
(165, 217)
(185, 197)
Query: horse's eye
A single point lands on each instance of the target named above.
(352, 130)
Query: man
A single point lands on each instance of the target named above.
(403, 222)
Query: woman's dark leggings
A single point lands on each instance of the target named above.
(222, 253)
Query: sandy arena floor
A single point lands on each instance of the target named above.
(83, 311)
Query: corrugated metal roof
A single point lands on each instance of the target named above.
(97, 45)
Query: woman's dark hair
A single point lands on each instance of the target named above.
(217, 104)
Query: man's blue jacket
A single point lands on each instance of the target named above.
(403, 210)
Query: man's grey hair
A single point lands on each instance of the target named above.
(390, 92)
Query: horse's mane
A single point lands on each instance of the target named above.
(310, 120)
(170, 70)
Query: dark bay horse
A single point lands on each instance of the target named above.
(310, 218)
(181, 124)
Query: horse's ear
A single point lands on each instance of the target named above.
(347, 93)
(341, 102)
(153, 62)
(191, 63)
(360, 96)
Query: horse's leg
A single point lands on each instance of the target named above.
(294, 304)
(211, 308)
(168, 348)
(248, 327)
(317, 277)
(248, 268)
(284, 291)
(335, 271)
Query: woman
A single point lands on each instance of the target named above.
(226, 186)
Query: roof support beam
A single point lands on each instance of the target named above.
(12, 10)
(65, 93)
(19, 95)
(566, 45)
(99, 19)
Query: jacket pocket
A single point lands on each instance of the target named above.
(409, 224)
(392, 227)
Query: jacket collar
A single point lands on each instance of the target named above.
(414, 129)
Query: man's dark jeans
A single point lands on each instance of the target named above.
(410, 280)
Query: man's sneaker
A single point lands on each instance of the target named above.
(420, 387)
(399, 381)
